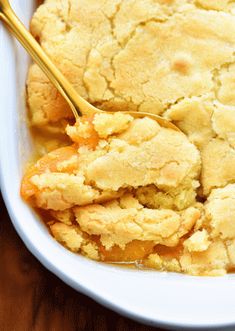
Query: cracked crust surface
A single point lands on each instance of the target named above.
(169, 57)
(109, 52)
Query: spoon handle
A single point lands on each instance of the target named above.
(75, 102)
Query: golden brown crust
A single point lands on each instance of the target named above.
(170, 57)
(108, 50)
(117, 225)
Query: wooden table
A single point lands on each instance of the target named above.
(33, 299)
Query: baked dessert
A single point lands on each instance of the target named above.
(120, 189)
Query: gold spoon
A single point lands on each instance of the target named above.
(78, 105)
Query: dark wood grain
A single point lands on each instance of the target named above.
(32, 299)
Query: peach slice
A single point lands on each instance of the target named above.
(48, 162)
(135, 250)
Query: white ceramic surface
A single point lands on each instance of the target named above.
(160, 299)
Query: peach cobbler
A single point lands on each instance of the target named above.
(119, 189)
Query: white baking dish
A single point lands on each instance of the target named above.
(160, 299)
